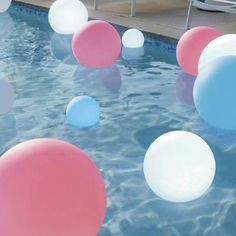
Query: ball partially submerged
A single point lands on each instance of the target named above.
(50, 187)
(214, 93)
(4, 5)
(191, 45)
(96, 45)
(179, 166)
(133, 38)
(83, 112)
(221, 46)
(67, 16)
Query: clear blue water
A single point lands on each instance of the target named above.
(142, 97)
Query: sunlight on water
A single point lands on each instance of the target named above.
(141, 97)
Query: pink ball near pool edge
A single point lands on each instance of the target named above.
(96, 45)
(50, 188)
(191, 45)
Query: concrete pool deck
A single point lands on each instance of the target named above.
(166, 18)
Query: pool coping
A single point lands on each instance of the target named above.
(148, 35)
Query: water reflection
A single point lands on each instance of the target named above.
(7, 131)
(161, 53)
(109, 77)
(61, 48)
(132, 53)
(184, 88)
(7, 96)
(7, 25)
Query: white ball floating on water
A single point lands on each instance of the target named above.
(4, 5)
(222, 46)
(133, 38)
(7, 96)
(67, 16)
(179, 166)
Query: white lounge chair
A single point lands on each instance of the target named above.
(132, 8)
(210, 5)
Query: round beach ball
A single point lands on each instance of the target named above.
(50, 187)
(83, 112)
(179, 166)
(191, 45)
(133, 38)
(221, 46)
(96, 45)
(7, 96)
(214, 93)
(67, 16)
(4, 5)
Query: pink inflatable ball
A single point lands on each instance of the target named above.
(191, 45)
(50, 187)
(97, 44)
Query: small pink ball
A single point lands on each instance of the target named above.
(191, 45)
(96, 45)
(50, 188)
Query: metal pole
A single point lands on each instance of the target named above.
(133, 8)
(189, 15)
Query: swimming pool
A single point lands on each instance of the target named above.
(143, 96)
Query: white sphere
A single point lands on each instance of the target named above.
(4, 5)
(133, 38)
(179, 166)
(222, 46)
(67, 16)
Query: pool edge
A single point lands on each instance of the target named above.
(156, 36)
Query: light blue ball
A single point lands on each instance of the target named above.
(83, 112)
(214, 93)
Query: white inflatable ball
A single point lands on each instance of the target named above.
(133, 38)
(67, 16)
(179, 166)
(4, 5)
(222, 46)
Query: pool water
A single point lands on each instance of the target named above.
(141, 97)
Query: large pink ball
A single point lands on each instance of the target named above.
(191, 45)
(50, 188)
(97, 44)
